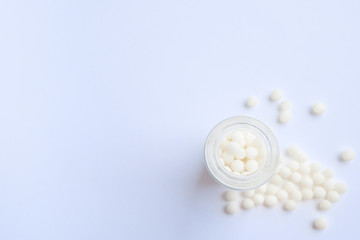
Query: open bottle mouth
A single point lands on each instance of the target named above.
(242, 181)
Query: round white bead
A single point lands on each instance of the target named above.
(347, 155)
(251, 165)
(306, 182)
(228, 169)
(248, 194)
(340, 187)
(250, 139)
(296, 196)
(261, 189)
(292, 151)
(328, 184)
(328, 173)
(224, 144)
(290, 205)
(315, 167)
(228, 158)
(271, 189)
(270, 201)
(301, 157)
(284, 117)
(237, 166)
(232, 207)
(282, 195)
(332, 196)
(251, 153)
(238, 136)
(251, 102)
(284, 172)
(285, 105)
(304, 168)
(318, 108)
(320, 223)
(276, 180)
(324, 205)
(231, 195)
(319, 192)
(275, 95)
(258, 199)
(247, 203)
(295, 177)
(289, 187)
(318, 178)
(293, 165)
(307, 193)
(233, 148)
(241, 154)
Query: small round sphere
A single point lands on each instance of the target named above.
(271, 189)
(306, 182)
(301, 157)
(231, 195)
(250, 139)
(284, 117)
(282, 195)
(275, 95)
(247, 203)
(258, 199)
(328, 173)
(295, 177)
(270, 201)
(318, 109)
(293, 165)
(307, 193)
(233, 148)
(328, 184)
(320, 223)
(289, 187)
(315, 167)
(241, 154)
(237, 166)
(324, 205)
(227, 158)
(290, 205)
(251, 102)
(304, 168)
(232, 207)
(251, 165)
(340, 187)
(347, 155)
(296, 196)
(332, 196)
(285, 105)
(224, 145)
(319, 192)
(292, 151)
(318, 178)
(276, 180)
(248, 193)
(284, 172)
(261, 189)
(251, 152)
(228, 169)
(238, 136)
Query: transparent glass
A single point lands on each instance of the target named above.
(242, 182)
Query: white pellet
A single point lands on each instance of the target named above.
(328, 184)
(347, 155)
(233, 148)
(250, 138)
(238, 136)
(248, 194)
(275, 95)
(319, 192)
(292, 151)
(282, 195)
(290, 205)
(284, 172)
(228, 158)
(304, 168)
(224, 144)
(276, 180)
(324, 205)
(231, 195)
(318, 109)
(284, 117)
(293, 165)
(232, 207)
(241, 154)
(306, 182)
(315, 167)
(285, 105)
(247, 203)
(289, 187)
(307, 193)
(318, 178)
(332, 196)
(251, 165)
(258, 199)
(270, 201)
(271, 189)
(340, 187)
(251, 102)
(296, 196)
(301, 157)
(237, 166)
(295, 177)
(261, 189)
(251, 153)
(320, 223)
(328, 173)
(228, 169)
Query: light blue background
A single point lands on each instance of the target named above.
(106, 105)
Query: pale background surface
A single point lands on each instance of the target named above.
(106, 105)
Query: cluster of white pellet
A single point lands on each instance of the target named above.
(241, 152)
(284, 107)
(295, 181)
